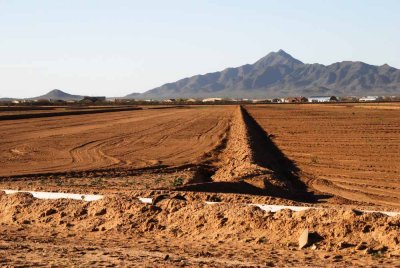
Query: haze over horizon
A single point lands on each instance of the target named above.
(114, 49)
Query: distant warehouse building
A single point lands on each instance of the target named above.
(212, 100)
(369, 98)
(296, 99)
(322, 99)
(169, 101)
(89, 99)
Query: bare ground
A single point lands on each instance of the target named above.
(181, 158)
(120, 230)
(349, 151)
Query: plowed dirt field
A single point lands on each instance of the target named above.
(347, 150)
(204, 168)
(132, 139)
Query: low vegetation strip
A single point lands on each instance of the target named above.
(65, 113)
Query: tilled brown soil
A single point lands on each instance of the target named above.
(119, 230)
(351, 151)
(134, 139)
(181, 157)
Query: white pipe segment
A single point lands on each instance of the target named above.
(145, 200)
(50, 195)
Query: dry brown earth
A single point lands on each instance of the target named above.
(347, 150)
(119, 230)
(133, 139)
(210, 149)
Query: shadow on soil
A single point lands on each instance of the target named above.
(268, 155)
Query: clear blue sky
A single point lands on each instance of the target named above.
(118, 47)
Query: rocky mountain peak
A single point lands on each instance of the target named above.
(277, 58)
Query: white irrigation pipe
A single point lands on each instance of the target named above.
(146, 200)
(272, 208)
(50, 195)
(275, 208)
(86, 197)
(389, 213)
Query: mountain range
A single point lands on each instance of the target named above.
(54, 94)
(278, 74)
(57, 94)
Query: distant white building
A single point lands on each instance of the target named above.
(169, 100)
(369, 98)
(261, 100)
(212, 99)
(321, 98)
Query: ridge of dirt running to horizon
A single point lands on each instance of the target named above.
(238, 161)
(180, 158)
(250, 163)
(217, 149)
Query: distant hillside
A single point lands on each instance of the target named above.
(279, 74)
(6, 99)
(57, 94)
(134, 95)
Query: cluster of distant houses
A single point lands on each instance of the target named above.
(298, 99)
(325, 99)
(85, 100)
